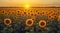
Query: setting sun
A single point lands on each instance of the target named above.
(27, 6)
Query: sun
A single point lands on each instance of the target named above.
(27, 5)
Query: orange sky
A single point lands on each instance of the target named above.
(37, 3)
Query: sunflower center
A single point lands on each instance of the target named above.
(29, 22)
(42, 23)
(7, 21)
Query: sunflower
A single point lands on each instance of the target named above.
(7, 21)
(42, 23)
(58, 19)
(29, 22)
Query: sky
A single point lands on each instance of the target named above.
(30, 2)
